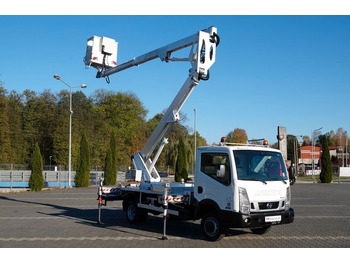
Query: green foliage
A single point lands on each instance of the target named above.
(15, 111)
(113, 145)
(28, 118)
(110, 175)
(238, 135)
(181, 171)
(82, 177)
(293, 148)
(5, 141)
(326, 175)
(36, 180)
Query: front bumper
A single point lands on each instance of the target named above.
(258, 220)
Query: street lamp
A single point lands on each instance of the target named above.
(346, 151)
(195, 137)
(313, 151)
(57, 77)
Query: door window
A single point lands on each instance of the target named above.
(217, 166)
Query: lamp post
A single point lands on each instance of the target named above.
(195, 137)
(57, 77)
(313, 151)
(346, 150)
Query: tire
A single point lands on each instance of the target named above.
(212, 227)
(261, 230)
(133, 214)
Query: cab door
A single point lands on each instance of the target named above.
(214, 179)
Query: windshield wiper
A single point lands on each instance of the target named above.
(263, 181)
(254, 179)
(277, 179)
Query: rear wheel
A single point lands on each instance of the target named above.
(133, 213)
(212, 227)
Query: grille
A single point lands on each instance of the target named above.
(268, 205)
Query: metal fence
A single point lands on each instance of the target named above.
(20, 178)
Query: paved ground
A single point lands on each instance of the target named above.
(67, 218)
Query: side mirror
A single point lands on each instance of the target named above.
(291, 171)
(220, 172)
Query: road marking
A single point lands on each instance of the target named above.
(54, 199)
(132, 238)
(47, 206)
(122, 216)
(57, 217)
(320, 205)
(82, 238)
(298, 237)
(27, 218)
(322, 217)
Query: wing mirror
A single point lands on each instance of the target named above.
(291, 172)
(220, 172)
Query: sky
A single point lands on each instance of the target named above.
(270, 70)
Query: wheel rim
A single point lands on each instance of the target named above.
(211, 226)
(131, 212)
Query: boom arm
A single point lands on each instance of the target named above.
(202, 56)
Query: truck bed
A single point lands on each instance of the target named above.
(176, 191)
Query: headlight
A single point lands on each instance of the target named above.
(288, 198)
(244, 204)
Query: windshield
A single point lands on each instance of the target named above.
(259, 165)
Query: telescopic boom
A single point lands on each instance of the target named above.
(101, 53)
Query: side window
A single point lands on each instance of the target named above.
(211, 163)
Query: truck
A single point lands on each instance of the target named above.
(235, 185)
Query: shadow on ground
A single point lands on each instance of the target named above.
(114, 219)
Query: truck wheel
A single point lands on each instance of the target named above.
(212, 228)
(261, 230)
(134, 214)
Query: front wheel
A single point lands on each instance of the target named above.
(212, 227)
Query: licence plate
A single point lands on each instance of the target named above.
(273, 219)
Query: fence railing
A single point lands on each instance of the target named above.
(20, 178)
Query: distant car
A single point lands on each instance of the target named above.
(163, 174)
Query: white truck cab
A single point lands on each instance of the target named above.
(245, 186)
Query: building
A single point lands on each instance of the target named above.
(306, 155)
(333, 151)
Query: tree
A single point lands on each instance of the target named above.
(5, 140)
(292, 148)
(306, 141)
(125, 114)
(45, 124)
(326, 175)
(30, 121)
(238, 135)
(15, 106)
(82, 177)
(36, 180)
(181, 171)
(28, 118)
(110, 176)
(113, 145)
